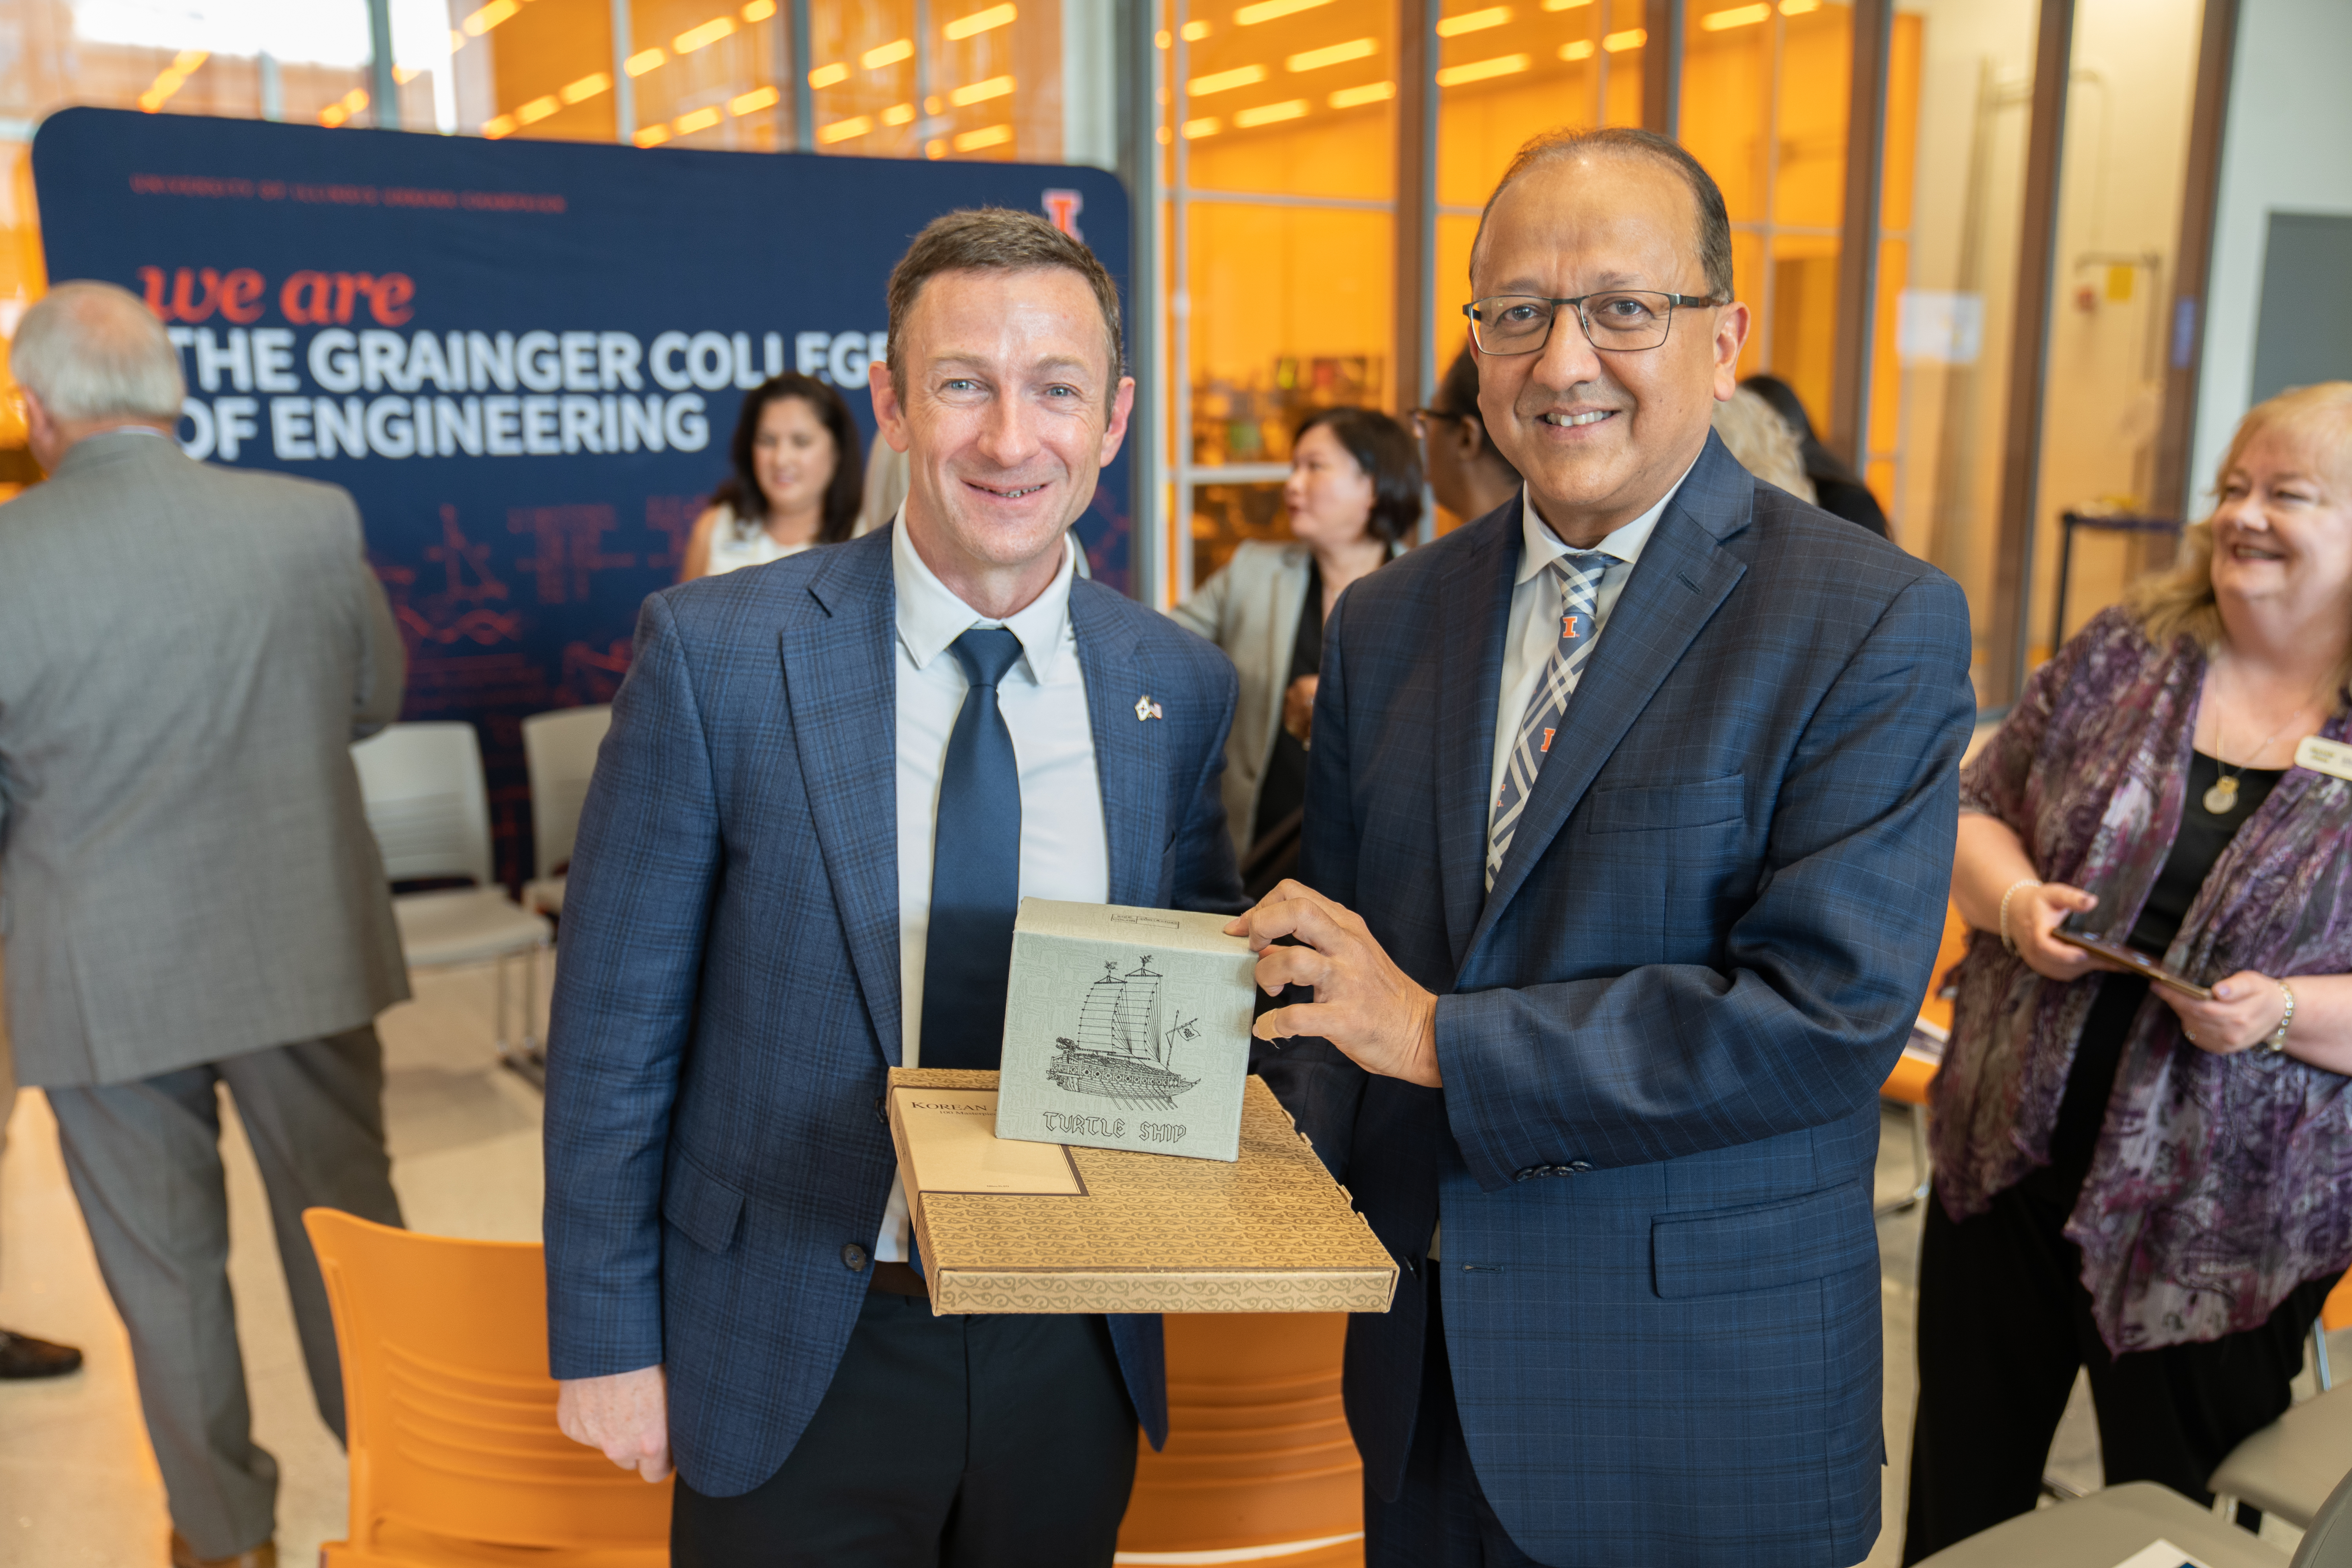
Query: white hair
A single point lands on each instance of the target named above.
(1763, 442)
(93, 350)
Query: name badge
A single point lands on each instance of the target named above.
(2333, 758)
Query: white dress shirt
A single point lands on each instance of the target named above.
(1534, 619)
(1065, 853)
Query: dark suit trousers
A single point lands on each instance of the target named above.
(958, 1442)
(145, 1160)
(2004, 1323)
(1441, 1518)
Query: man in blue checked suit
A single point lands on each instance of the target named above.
(828, 782)
(1627, 841)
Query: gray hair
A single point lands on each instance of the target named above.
(93, 350)
(1763, 442)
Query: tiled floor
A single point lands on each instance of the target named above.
(78, 1485)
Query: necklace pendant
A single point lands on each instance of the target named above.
(2223, 798)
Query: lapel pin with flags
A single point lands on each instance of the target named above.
(1146, 709)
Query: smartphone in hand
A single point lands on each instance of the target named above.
(2138, 962)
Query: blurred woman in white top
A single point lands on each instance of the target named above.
(797, 479)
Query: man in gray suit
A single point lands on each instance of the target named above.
(191, 895)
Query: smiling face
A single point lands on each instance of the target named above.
(2282, 534)
(1599, 436)
(1329, 494)
(793, 457)
(1008, 413)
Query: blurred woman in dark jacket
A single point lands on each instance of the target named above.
(1837, 488)
(1354, 499)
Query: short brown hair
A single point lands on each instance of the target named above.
(995, 239)
(1713, 221)
(2181, 602)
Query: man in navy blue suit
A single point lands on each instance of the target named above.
(1627, 842)
(829, 781)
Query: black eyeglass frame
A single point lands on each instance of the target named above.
(1673, 303)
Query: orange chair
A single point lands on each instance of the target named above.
(1907, 1084)
(2334, 1313)
(455, 1456)
(1258, 1456)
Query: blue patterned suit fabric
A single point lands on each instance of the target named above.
(1664, 1031)
(727, 998)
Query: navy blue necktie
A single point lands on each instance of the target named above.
(975, 867)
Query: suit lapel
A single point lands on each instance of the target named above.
(841, 683)
(1130, 754)
(1473, 606)
(1683, 575)
(1281, 626)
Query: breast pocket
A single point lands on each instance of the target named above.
(1656, 807)
(1672, 850)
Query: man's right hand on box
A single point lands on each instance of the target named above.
(625, 1414)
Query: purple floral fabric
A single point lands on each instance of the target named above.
(2219, 1182)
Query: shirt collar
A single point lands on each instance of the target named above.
(931, 616)
(1541, 546)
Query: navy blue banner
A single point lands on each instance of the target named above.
(523, 358)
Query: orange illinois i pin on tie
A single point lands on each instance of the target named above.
(1568, 625)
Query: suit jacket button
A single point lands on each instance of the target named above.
(1579, 1166)
(1523, 1175)
(852, 1257)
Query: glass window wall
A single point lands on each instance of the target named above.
(1507, 73)
(2126, 151)
(1280, 126)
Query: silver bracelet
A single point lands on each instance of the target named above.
(2006, 940)
(2276, 1043)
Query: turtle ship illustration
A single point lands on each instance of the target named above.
(1122, 1053)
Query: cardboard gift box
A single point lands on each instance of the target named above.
(1005, 1226)
(1126, 1028)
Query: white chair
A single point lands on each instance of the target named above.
(2290, 1466)
(2113, 1528)
(558, 749)
(2327, 1542)
(429, 809)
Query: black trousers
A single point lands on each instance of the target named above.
(962, 1442)
(1441, 1518)
(2004, 1323)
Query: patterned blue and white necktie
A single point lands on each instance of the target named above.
(1577, 573)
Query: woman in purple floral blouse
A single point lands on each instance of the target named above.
(2129, 1179)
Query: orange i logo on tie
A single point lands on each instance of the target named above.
(1568, 626)
(1545, 747)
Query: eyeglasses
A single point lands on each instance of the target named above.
(1622, 321)
(1421, 417)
